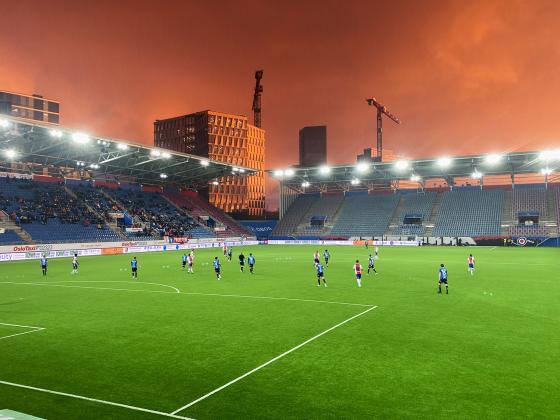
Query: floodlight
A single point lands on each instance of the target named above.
(234, 169)
(278, 173)
(546, 171)
(94, 166)
(163, 176)
(493, 158)
(242, 170)
(548, 155)
(289, 172)
(215, 183)
(444, 162)
(401, 165)
(122, 146)
(476, 174)
(155, 153)
(362, 167)
(415, 178)
(4, 123)
(80, 138)
(355, 181)
(166, 155)
(305, 184)
(204, 163)
(10, 153)
(324, 170)
(55, 133)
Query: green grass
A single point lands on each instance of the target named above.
(490, 349)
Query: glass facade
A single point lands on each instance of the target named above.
(226, 138)
(30, 107)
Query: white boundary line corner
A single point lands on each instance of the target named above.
(32, 328)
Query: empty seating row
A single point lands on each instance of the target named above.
(365, 215)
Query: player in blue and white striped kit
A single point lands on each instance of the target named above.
(217, 267)
(442, 273)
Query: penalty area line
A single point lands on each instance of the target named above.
(209, 394)
(31, 328)
(94, 400)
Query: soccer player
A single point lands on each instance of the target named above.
(371, 264)
(251, 262)
(230, 253)
(190, 260)
(184, 260)
(241, 261)
(470, 262)
(316, 258)
(225, 249)
(320, 275)
(44, 263)
(376, 252)
(75, 264)
(443, 279)
(217, 267)
(358, 272)
(326, 256)
(134, 267)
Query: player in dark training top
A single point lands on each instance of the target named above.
(251, 262)
(217, 267)
(326, 256)
(134, 267)
(184, 260)
(229, 253)
(442, 275)
(241, 261)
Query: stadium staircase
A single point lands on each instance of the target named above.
(294, 215)
(112, 225)
(431, 222)
(507, 214)
(14, 233)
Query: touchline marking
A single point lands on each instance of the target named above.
(33, 329)
(117, 281)
(80, 397)
(189, 293)
(270, 361)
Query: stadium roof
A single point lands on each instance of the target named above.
(50, 145)
(476, 166)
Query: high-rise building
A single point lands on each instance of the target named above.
(29, 107)
(225, 138)
(313, 145)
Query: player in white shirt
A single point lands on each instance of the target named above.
(376, 252)
(75, 264)
(190, 262)
(316, 257)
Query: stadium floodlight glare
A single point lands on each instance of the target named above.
(94, 166)
(80, 138)
(155, 153)
(242, 170)
(80, 163)
(401, 165)
(163, 176)
(55, 133)
(4, 123)
(215, 183)
(476, 174)
(546, 171)
(122, 146)
(166, 155)
(289, 172)
(10, 153)
(362, 167)
(204, 162)
(493, 159)
(305, 184)
(355, 181)
(324, 170)
(278, 173)
(415, 178)
(549, 155)
(444, 162)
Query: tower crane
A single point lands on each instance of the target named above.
(381, 109)
(257, 98)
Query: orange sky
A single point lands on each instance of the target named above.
(464, 77)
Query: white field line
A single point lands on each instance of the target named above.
(115, 281)
(271, 361)
(80, 397)
(33, 329)
(189, 293)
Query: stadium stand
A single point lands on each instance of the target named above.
(413, 204)
(324, 209)
(365, 215)
(292, 219)
(206, 214)
(529, 198)
(9, 237)
(469, 211)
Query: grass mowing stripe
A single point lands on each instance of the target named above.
(80, 397)
(188, 293)
(271, 361)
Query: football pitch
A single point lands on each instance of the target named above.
(100, 345)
